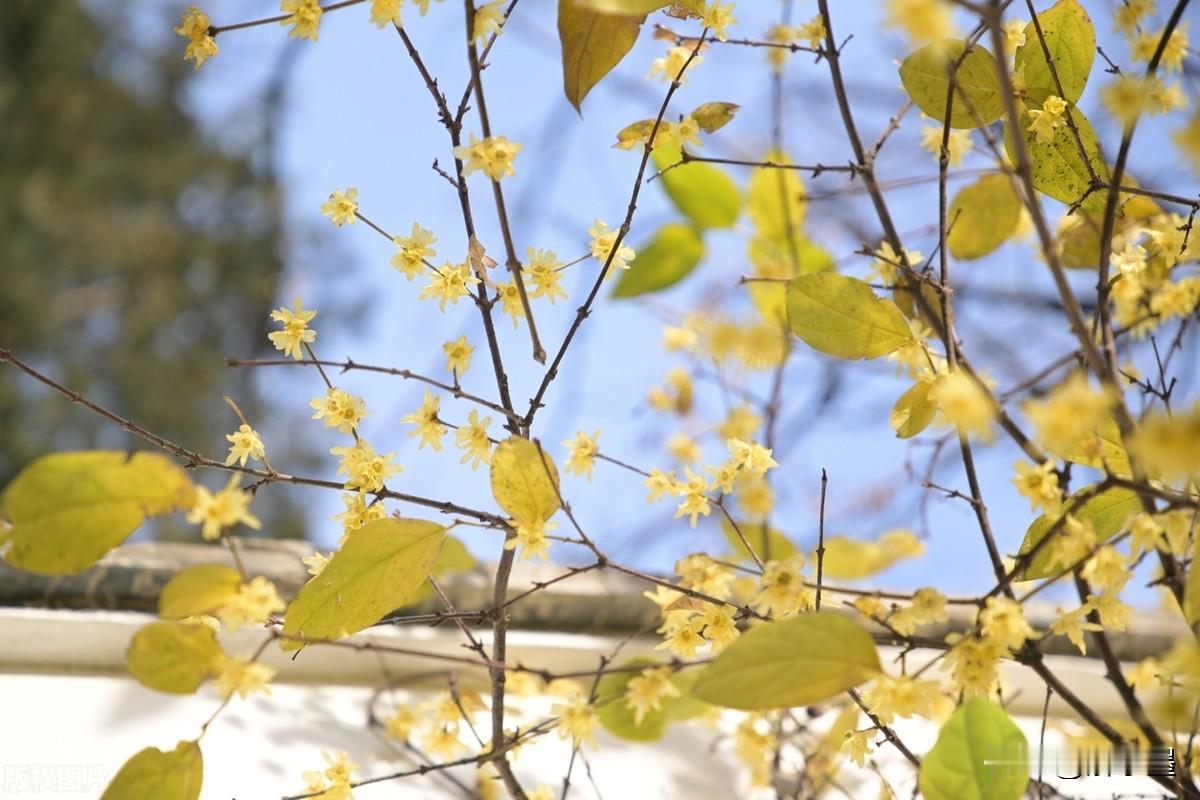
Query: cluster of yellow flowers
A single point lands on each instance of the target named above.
(927, 606)
(335, 781)
(492, 156)
(224, 509)
(747, 460)
(1146, 256)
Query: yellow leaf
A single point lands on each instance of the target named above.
(1107, 511)
(957, 767)
(1059, 170)
(703, 193)
(1191, 595)
(841, 316)
(637, 133)
(792, 662)
(152, 774)
(982, 217)
(592, 44)
(174, 657)
(714, 116)
(626, 7)
(781, 545)
(1104, 449)
(1071, 40)
(1079, 238)
(925, 75)
(69, 509)
(674, 252)
(524, 480)
(775, 199)
(776, 258)
(381, 566)
(199, 589)
(914, 410)
(454, 559)
(852, 559)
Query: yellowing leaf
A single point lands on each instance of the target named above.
(380, 567)
(637, 133)
(453, 560)
(524, 480)
(1107, 511)
(69, 509)
(1059, 170)
(781, 545)
(914, 410)
(199, 589)
(1079, 236)
(925, 75)
(153, 774)
(1105, 449)
(982, 217)
(791, 662)
(841, 316)
(775, 199)
(851, 559)
(619, 720)
(626, 7)
(174, 657)
(668, 259)
(775, 258)
(592, 44)
(714, 116)
(1191, 596)
(1071, 40)
(955, 768)
(703, 193)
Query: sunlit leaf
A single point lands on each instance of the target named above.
(841, 316)
(781, 545)
(524, 480)
(174, 657)
(775, 199)
(791, 662)
(69, 509)
(703, 193)
(199, 589)
(1059, 170)
(379, 568)
(914, 410)
(925, 75)
(1107, 511)
(1071, 40)
(778, 258)
(619, 720)
(982, 216)
(1103, 450)
(151, 773)
(592, 44)
(624, 7)
(453, 560)
(667, 259)
(714, 116)
(852, 559)
(956, 769)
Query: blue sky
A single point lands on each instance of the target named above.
(357, 114)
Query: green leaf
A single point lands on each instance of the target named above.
(781, 545)
(619, 720)
(703, 193)
(174, 657)
(791, 662)
(378, 569)
(955, 768)
(1104, 449)
(775, 199)
(925, 75)
(69, 509)
(841, 316)
(776, 258)
(713, 116)
(592, 44)
(982, 217)
(1071, 40)
(151, 773)
(914, 410)
(524, 480)
(199, 589)
(674, 252)
(1059, 170)
(1107, 512)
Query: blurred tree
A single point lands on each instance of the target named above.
(127, 237)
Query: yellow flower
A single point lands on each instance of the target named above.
(1187, 139)
(400, 724)
(358, 513)
(684, 448)
(493, 156)
(1003, 620)
(783, 34)
(295, 330)
(1014, 36)
(964, 404)
(741, 423)
(782, 592)
(414, 250)
(718, 18)
(1113, 613)
(1039, 484)
(646, 691)
(972, 662)
(1044, 121)
(720, 628)
(489, 21)
(602, 244)
(957, 146)
(442, 742)
(702, 573)
(385, 12)
(473, 439)
(531, 536)
(365, 470)
(812, 33)
(224, 509)
(1145, 533)
(316, 563)
(244, 677)
(510, 301)
(244, 444)
(304, 16)
(694, 491)
(1145, 674)
(669, 67)
(929, 605)
(449, 283)
(576, 721)
(429, 427)
(750, 456)
(887, 264)
(544, 270)
(1107, 570)
(660, 483)
(682, 635)
(922, 20)
(195, 27)
(1129, 14)
(1070, 417)
(1072, 624)
(341, 207)
(583, 449)
(754, 496)
(254, 603)
(339, 409)
(857, 744)
(458, 355)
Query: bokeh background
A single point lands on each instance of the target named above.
(152, 216)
